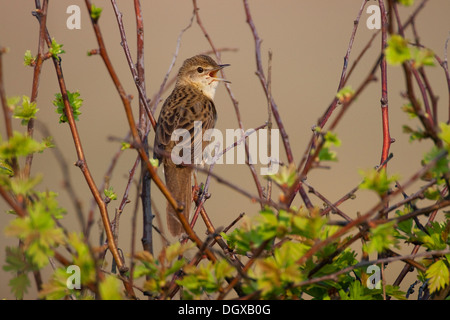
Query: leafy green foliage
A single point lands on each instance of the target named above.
(444, 134)
(205, 278)
(325, 154)
(75, 103)
(377, 180)
(406, 3)
(110, 288)
(381, 237)
(438, 275)
(20, 145)
(17, 264)
(285, 177)
(95, 12)
(57, 288)
(5, 168)
(159, 271)
(422, 57)
(357, 291)
(415, 135)
(397, 50)
(125, 146)
(439, 168)
(345, 94)
(29, 59)
(26, 111)
(56, 49)
(38, 230)
(110, 194)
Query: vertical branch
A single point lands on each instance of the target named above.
(134, 72)
(269, 124)
(444, 64)
(384, 92)
(6, 111)
(147, 238)
(41, 13)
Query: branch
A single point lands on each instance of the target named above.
(233, 99)
(262, 78)
(384, 91)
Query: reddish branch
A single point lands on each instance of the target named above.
(384, 91)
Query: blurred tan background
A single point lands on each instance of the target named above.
(308, 39)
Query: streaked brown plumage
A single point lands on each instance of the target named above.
(191, 100)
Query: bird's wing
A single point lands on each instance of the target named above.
(182, 113)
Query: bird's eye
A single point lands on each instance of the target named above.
(200, 69)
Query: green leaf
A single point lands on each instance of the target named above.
(110, 288)
(26, 111)
(21, 185)
(444, 134)
(434, 238)
(55, 49)
(422, 57)
(325, 154)
(19, 285)
(356, 291)
(39, 234)
(440, 167)
(286, 176)
(48, 203)
(28, 59)
(12, 102)
(126, 145)
(6, 169)
(95, 12)
(432, 193)
(74, 101)
(109, 193)
(381, 237)
(19, 145)
(406, 225)
(409, 109)
(376, 180)
(406, 3)
(345, 94)
(397, 50)
(154, 162)
(418, 134)
(438, 276)
(83, 258)
(17, 264)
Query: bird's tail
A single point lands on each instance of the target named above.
(178, 181)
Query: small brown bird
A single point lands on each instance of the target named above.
(191, 100)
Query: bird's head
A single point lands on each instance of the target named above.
(201, 72)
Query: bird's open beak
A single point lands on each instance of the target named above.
(213, 73)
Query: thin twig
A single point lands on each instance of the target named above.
(233, 99)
